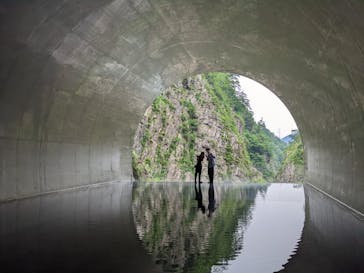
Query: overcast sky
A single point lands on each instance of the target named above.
(268, 106)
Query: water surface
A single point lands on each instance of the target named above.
(177, 227)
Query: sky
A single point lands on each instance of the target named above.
(268, 107)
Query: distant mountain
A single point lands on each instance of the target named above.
(291, 137)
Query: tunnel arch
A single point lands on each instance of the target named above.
(76, 78)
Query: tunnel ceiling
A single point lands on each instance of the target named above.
(76, 77)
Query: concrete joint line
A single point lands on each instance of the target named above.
(360, 214)
(94, 185)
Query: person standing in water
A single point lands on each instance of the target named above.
(210, 165)
(198, 166)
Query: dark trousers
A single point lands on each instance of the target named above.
(210, 172)
(198, 172)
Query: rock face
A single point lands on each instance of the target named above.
(180, 124)
(291, 173)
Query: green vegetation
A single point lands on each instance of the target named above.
(294, 152)
(265, 149)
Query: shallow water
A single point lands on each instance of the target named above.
(177, 227)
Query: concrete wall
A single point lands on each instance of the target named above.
(76, 77)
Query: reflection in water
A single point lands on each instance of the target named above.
(254, 229)
(273, 232)
(199, 198)
(245, 229)
(212, 200)
(178, 235)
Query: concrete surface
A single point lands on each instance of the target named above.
(76, 77)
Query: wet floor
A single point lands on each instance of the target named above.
(180, 227)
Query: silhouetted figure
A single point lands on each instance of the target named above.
(210, 165)
(198, 166)
(212, 201)
(200, 205)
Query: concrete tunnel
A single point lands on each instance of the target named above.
(77, 76)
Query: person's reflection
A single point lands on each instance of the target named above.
(212, 201)
(200, 204)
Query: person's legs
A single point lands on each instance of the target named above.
(210, 172)
(199, 177)
(212, 175)
(196, 174)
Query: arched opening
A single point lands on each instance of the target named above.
(213, 111)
